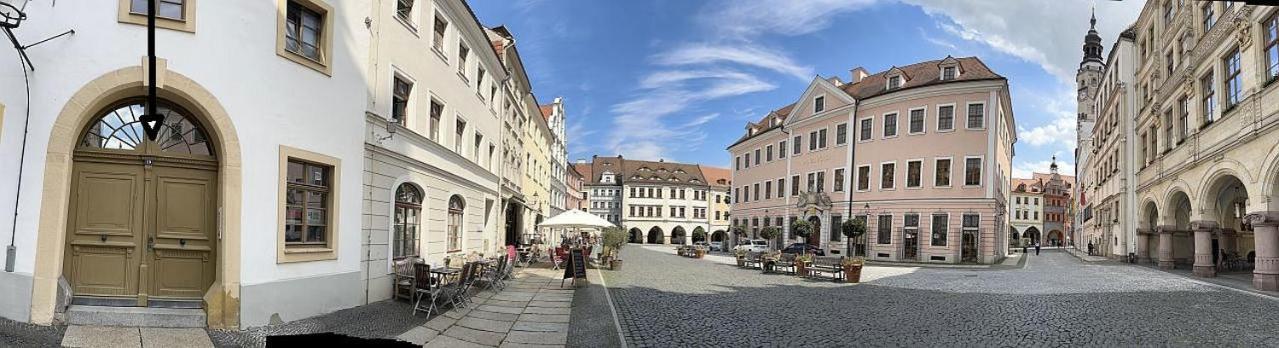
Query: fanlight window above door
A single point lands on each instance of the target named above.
(120, 128)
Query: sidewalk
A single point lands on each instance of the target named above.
(532, 311)
(1083, 256)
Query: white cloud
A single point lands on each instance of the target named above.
(646, 126)
(749, 55)
(1024, 170)
(1059, 129)
(747, 19)
(937, 41)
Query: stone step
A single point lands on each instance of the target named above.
(135, 316)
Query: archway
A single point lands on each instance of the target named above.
(1055, 238)
(1233, 242)
(1014, 237)
(655, 236)
(719, 236)
(699, 234)
(1183, 241)
(223, 295)
(637, 236)
(814, 237)
(1031, 235)
(514, 223)
(677, 235)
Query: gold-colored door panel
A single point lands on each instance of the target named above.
(106, 226)
(181, 264)
(108, 200)
(104, 271)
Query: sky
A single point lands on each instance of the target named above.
(679, 79)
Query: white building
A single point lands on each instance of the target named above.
(1025, 212)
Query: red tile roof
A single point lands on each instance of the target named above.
(715, 174)
(547, 110)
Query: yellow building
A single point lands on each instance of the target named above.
(537, 168)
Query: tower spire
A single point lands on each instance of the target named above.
(1093, 21)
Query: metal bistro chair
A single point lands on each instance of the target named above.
(493, 275)
(402, 286)
(423, 288)
(458, 294)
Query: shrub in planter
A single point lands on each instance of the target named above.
(614, 240)
(801, 264)
(852, 269)
(769, 233)
(852, 229)
(802, 229)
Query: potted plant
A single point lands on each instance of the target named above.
(801, 263)
(614, 240)
(738, 231)
(852, 269)
(769, 233)
(852, 230)
(741, 257)
(802, 229)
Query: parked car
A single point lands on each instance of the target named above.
(800, 248)
(702, 245)
(752, 245)
(716, 246)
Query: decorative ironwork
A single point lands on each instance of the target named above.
(121, 129)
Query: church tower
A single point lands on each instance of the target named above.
(1087, 79)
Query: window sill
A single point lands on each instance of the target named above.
(316, 65)
(939, 130)
(982, 128)
(306, 254)
(408, 25)
(914, 188)
(440, 54)
(916, 133)
(184, 25)
(887, 189)
(888, 137)
(972, 186)
(462, 76)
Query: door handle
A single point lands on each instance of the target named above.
(103, 237)
(150, 243)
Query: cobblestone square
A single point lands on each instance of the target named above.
(664, 300)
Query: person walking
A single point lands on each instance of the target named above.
(1089, 248)
(1036, 248)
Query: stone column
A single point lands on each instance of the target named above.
(1265, 227)
(1143, 245)
(1203, 230)
(1165, 246)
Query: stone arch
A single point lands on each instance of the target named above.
(719, 236)
(1269, 182)
(223, 297)
(655, 236)
(636, 236)
(678, 235)
(1177, 190)
(695, 234)
(1149, 214)
(1033, 234)
(1179, 210)
(1222, 175)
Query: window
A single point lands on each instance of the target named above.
(976, 116)
(781, 187)
(1270, 34)
(970, 223)
(400, 100)
(305, 33)
(839, 180)
(1168, 13)
(942, 174)
(821, 181)
(917, 121)
(939, 229)
(1233, 82)
(1184, 119)
(821, 138)
(894, 82)
(768, 190)
(812, 140)
(769, 152)
(794, 185)
(440, 26)
(479, 139)
(757, 157)
(460, 127)
(737, 164)
(1208, 17)
(408, 212)
(948, 73)
(913, 173)
(910, 222)
(865, 129)
(819, 104)
(781, 149)
(890, 125)
(462, 53)
(841, 134)
(1209, 101)
(812, 180)
(404, 9)
(479, 81)
(887, 171)
(1169, 63)
(308, 204)
(863, 178)
(755, 196)
(1168, 130)
(795, 144)
(456, 206)
(885, 227)
(945, 117)
(972, 171)
(748, 160)
(168, 9)
(835, 222)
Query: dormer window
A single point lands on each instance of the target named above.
(948, 73)
(819, 104)
(894, 82)
(607, 178)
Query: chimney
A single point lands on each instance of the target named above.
(857, 74)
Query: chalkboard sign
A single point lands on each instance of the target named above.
(576, 267)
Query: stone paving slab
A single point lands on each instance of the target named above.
(418, 335)
(475, 336)
(499, 309)
(440, 323)
(539, 327)
(530, 312)
(493, 315)
(449, 342)
(548, 310)
(527, 345)
(544, 318)
(537, 337)
(503, 303)
(486, 324)
(173, 337)
(553, 304)
(102, 336)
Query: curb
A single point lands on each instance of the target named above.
(617, 323)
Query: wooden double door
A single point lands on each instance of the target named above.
(141, 230)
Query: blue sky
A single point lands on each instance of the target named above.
(678, 79)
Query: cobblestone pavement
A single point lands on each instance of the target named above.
(1055, 300)
(15, 334)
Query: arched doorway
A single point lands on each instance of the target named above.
(1055, 238)
(1014, 237)
(636, 236)
(1031, 236)
(655, 236)
(408, 211)
(141, 224)
(814, 237)
(719, 236)
(677, 235)
(1233, 241)
(699, 234)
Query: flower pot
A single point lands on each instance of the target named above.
(741, 261)
(852, 273)
(801, 269)
(700, 253)
(615, 265)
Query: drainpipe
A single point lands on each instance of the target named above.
(786, 219)
(849, 189)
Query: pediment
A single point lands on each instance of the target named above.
(832, 98)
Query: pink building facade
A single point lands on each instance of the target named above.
(922, 152)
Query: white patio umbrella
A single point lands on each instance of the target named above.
(576, 219)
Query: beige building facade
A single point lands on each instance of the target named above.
(923, 152)
(1206, 166)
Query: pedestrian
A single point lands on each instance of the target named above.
(1036, 248)
(1089, 248)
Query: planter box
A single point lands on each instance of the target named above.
(615, 265)
(852, 274)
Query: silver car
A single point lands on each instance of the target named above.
(752, 245)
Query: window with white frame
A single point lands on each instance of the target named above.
(839, 180)
(863, 178)
(819, 104)
(941, 173)
(917, 121)
(972, 171)
(945, 117)
(885, 229)
(887, 174)
(940, 226)
(841, 134)
(890, 125)
(914, 172)
(865, 130)
(976, 115)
